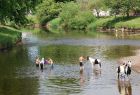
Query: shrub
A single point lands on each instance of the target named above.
(72, 17)
(8, 37)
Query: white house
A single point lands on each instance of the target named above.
(101, 13)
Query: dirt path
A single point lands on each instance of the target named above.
(135, 61)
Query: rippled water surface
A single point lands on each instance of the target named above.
(19, 75)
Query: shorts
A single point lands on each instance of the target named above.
(41, 66)
(37, 65)
(81, 63)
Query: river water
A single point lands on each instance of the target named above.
(20, 76)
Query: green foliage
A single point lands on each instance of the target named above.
(63, 0)
(97, 5)
(32, 19)
(8, 37)
(72, 17)
(131, 22)
(54, 24)
(47, 10)
(16, 10)
(100, 22)
(124, 7)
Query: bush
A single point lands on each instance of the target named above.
(8, 37)
(72, 17)
(54, 23)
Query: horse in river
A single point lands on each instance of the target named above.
(95, 63)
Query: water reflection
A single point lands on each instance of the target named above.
(33, 52)
(124, 87)
(97, 72)
(19, 77)
(82, 78)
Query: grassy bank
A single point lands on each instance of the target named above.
(106, 22)
(8, 37)
(131, 22)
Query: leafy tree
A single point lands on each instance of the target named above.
(114, 5)
(47, 10)
(16, 10)
(73, 17)
(69, 11)
(129, 6)
(97, 5)
(63, 0)
(123, 6)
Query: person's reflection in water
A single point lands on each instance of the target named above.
(124, 87)
(50, 72)
(82, 79)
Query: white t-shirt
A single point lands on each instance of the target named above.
(122, 71)
(42, 61)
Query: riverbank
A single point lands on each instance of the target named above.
(105, 24)
(134, 59)
(9, 37)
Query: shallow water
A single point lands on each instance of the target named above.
(19, 75)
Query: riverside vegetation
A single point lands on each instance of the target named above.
(66, 15)
(9, 37)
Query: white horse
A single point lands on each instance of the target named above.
(95, 63)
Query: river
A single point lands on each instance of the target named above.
(20, 76)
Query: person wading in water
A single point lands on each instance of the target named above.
(81, 60)
(42, 64)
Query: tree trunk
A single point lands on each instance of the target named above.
(127, 14)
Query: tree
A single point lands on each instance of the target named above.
(63, 0)
(16, 10)
(47, 10)
(73, 17)
(129, 6)
(114, 6)
(97, 5)
(122, 6)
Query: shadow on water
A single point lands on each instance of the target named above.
(97, 73)
(82, 78)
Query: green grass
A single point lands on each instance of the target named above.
(8, 36)
(132, 22)
(116, 22)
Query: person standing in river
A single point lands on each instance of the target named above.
(121, 72)
(37, 61)
(42, 64)
(50, 61)
(81, 60)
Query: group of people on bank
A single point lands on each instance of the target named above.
(123, 70)
(42, 62)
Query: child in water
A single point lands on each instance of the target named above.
(81, 59)
(37, 61)
(50, 61)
